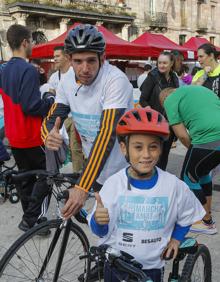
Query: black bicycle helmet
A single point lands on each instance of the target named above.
(84, 38)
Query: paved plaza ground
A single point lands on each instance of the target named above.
(11, 215)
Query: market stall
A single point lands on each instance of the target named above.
(116, 47)
(157, 43)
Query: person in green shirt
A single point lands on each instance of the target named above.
(194, 114)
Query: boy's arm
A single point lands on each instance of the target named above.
(100, 218)
(99, 230)
(180, 232)
(177, 237)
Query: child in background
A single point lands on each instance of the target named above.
(142, 209)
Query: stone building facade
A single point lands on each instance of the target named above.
(176, 19)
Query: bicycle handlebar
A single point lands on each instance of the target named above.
(18, 177)
(121, 261)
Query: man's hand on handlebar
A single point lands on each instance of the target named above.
(76, 201)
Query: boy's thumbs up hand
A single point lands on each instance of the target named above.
(101, 213)
(99, 200)
(54, 139)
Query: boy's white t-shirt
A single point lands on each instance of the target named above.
(142, 221)
(110, 90)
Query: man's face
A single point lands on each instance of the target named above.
(60, 59)
(86, 66)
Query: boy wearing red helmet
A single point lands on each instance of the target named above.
(151, 206)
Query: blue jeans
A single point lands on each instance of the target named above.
(111, 274)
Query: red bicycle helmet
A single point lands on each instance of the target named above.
(143, 121)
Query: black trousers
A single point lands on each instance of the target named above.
(166, 150)
(198, 163)
(33, 191)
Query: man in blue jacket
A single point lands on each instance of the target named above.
(23, 113)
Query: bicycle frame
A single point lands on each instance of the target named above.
(65, 224)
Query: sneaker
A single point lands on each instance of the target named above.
(204, 228)
(45, 231)
(95, 274)
(23, 225)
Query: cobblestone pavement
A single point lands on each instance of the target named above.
(11, 215)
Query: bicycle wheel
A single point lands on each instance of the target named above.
(34, 258)
(198, 267)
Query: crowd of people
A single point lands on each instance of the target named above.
(120, 152)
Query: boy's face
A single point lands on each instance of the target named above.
(144, 152)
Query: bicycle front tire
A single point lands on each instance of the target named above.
(191, 271)
(24, 259)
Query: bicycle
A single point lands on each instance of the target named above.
(7, 188)
(56, 257)
(127, 269)
(25, 260)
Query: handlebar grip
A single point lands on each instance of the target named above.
(132, 270)
(21, 176)
(64, 195)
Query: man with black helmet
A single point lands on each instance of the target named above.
(96, 96)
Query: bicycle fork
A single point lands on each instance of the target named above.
(174, 275)
(67, 226)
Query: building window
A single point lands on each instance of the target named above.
(199, 12)
(213, 17)
(182, 39)
(212, 40)
(183, 12)
(39, 37)
(152, 7)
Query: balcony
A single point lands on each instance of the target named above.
(202, 26)
(93, 10)
(156, 21)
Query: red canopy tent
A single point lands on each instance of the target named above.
(116, 47)
(194, 42)
(158, 43)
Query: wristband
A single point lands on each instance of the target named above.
(79, 187)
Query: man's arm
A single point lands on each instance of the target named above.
(47, 134)
(30, 97)
(101, 148)
(99, 154)
(182, 134)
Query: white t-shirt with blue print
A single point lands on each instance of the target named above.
(110, 90)
(142, 221)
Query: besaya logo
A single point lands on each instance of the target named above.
(127, 237)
